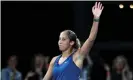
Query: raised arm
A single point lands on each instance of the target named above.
(126, 74)
(48, 75)
(108, 73)
(96, 10)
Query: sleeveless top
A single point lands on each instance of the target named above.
(66, 70)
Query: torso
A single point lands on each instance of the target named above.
(65, 68)
(10, 74)
(116, 76)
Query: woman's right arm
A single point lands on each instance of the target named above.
(48, 75)
(108, 74)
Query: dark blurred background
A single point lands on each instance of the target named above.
(33, 27)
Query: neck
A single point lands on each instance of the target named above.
(118, 71)
(38, 66)
(67, 53)
(13, 68)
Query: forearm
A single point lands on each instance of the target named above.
(89, 42)
(124, 77)
(94, 29)
(47, 77)
(127, 76)
(108, 76)
(96, 10)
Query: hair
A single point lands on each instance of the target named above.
(125, 63)
(33, 60)
(11, 56)
(73, 37)
(32, 66)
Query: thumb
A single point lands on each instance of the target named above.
(93, 8)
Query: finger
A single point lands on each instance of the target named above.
(98, 5)
(102, 7)
(93, 7)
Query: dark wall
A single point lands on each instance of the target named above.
(32, 27)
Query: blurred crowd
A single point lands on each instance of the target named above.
(38, 68)
(120, 69)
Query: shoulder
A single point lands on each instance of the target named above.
(19, 73)
(53, 60)
(4, 70)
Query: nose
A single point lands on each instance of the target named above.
(60, 42)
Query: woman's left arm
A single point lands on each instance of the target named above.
(96, 10)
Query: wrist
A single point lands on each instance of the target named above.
(96, 19)
(108, 73)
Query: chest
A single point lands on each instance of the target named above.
(61, 66)
(12, 76)
(61, 60)
(115, 76)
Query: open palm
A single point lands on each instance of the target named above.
(97, 9)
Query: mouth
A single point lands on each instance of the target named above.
(60, 45)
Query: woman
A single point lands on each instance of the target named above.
(11, 72)
(120, 70)
(39, 68)
(67, 66)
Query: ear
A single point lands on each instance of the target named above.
(72, 43)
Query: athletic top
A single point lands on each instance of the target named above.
(66, 70)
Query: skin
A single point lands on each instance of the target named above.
(120, 67)
(66, 46)
(12, 62)
(39, 62)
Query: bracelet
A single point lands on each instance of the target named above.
(108, 73)
(96, 20)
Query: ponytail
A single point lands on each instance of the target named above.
(72, 36)
(77, 44)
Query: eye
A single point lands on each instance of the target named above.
(63, 39)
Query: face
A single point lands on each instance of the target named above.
(39, 60)
(12, 61)
(64, 42)
(46, 59)
(119, 64)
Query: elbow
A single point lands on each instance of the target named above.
(91, 40)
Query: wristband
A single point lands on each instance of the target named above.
(107, 73)
(96, 20)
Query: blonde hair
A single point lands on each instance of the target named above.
(124, 60)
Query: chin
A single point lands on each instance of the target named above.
(61, 49)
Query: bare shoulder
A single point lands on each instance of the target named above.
(53, 60)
